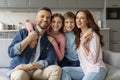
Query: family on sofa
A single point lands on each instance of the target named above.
(36, 49)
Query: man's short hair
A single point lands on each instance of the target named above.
(45, 8)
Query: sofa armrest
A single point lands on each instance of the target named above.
(112, 58)
(113, 73)
(4, 58)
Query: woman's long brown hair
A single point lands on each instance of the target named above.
(91, 24)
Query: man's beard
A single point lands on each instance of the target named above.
(43, 26)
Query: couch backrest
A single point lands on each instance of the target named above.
(4, 58)
(112, 58)
(109, 57)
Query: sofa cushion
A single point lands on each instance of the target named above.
(4, 58)
(113, 73)
(3, 72)
(4, 78)
(112, 58)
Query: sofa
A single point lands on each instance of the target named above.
(4, 58)
(111, 59)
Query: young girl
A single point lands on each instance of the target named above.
(89, 51)
(56, 36)
(56, 31)
(71, 56)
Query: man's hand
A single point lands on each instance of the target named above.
(33, 43)
(21, 67)
(33, 35)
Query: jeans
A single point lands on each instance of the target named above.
(76, 73)
(66, 62)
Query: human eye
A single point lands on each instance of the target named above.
(48, 17)
(60, 21)
(66, 22)
(42, 16)
(71, 21)
(53, 21)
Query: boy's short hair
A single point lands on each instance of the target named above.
(69, 15)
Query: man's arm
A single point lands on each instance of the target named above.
(19, 43)
(49, 60)
(31, 37)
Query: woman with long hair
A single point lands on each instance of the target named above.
(89, 50)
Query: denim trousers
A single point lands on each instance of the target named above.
(76, 73)
(66, 62)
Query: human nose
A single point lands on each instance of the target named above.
(69, 24)
(45, 18)
(56, 23)
(78, 20)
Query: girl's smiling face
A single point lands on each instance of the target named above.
(56, 24)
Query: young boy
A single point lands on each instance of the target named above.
(71, 56)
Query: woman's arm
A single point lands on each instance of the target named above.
(92, 50)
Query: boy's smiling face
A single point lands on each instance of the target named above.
(69, 24)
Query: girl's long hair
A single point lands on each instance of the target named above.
(91, 24)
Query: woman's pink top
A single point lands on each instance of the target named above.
(94, 60)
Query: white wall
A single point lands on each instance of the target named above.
(13, 18)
